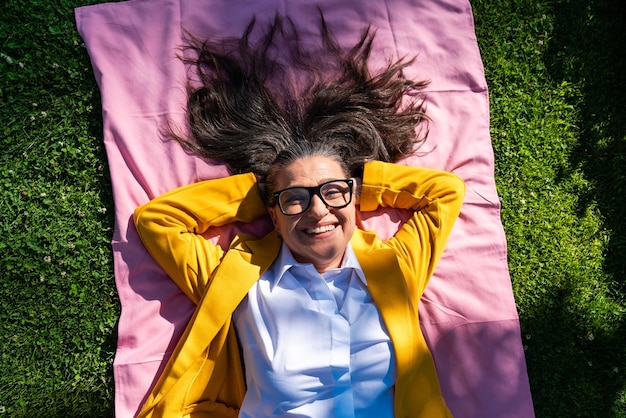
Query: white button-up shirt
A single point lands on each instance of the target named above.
(314, 345)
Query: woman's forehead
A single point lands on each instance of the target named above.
(309, 171)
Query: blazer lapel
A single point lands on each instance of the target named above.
(240, 268)
(386, 284)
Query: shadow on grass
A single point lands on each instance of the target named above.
(589, 49)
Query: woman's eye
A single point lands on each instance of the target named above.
(293, 198)
(335, 192)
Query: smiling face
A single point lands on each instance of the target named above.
(320, 234)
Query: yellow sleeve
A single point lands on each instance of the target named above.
(171, 226)
(434, 196)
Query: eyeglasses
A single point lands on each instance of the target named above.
(296, 200)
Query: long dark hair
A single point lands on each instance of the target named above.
(252, 100)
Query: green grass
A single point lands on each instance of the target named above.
(58, 306)
(555, 70)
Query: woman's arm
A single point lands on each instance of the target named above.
(434, 196)
(171, 226)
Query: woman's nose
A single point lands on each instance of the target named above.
(317, 208)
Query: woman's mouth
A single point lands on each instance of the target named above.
(320, 229)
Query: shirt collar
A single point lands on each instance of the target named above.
(285, 261)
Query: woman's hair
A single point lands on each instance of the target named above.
(255, 104)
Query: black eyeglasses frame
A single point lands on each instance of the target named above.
(314, 190)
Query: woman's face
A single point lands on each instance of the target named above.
(320, 234)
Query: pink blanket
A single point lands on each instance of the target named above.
(468, 312)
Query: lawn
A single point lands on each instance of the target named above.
(555, 71)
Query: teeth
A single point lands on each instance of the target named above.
(320, 229)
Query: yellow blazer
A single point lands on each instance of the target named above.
(204, 376)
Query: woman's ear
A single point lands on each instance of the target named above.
(356, 190)
(273, 215)
(359, 220)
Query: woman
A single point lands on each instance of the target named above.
(323, 315)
